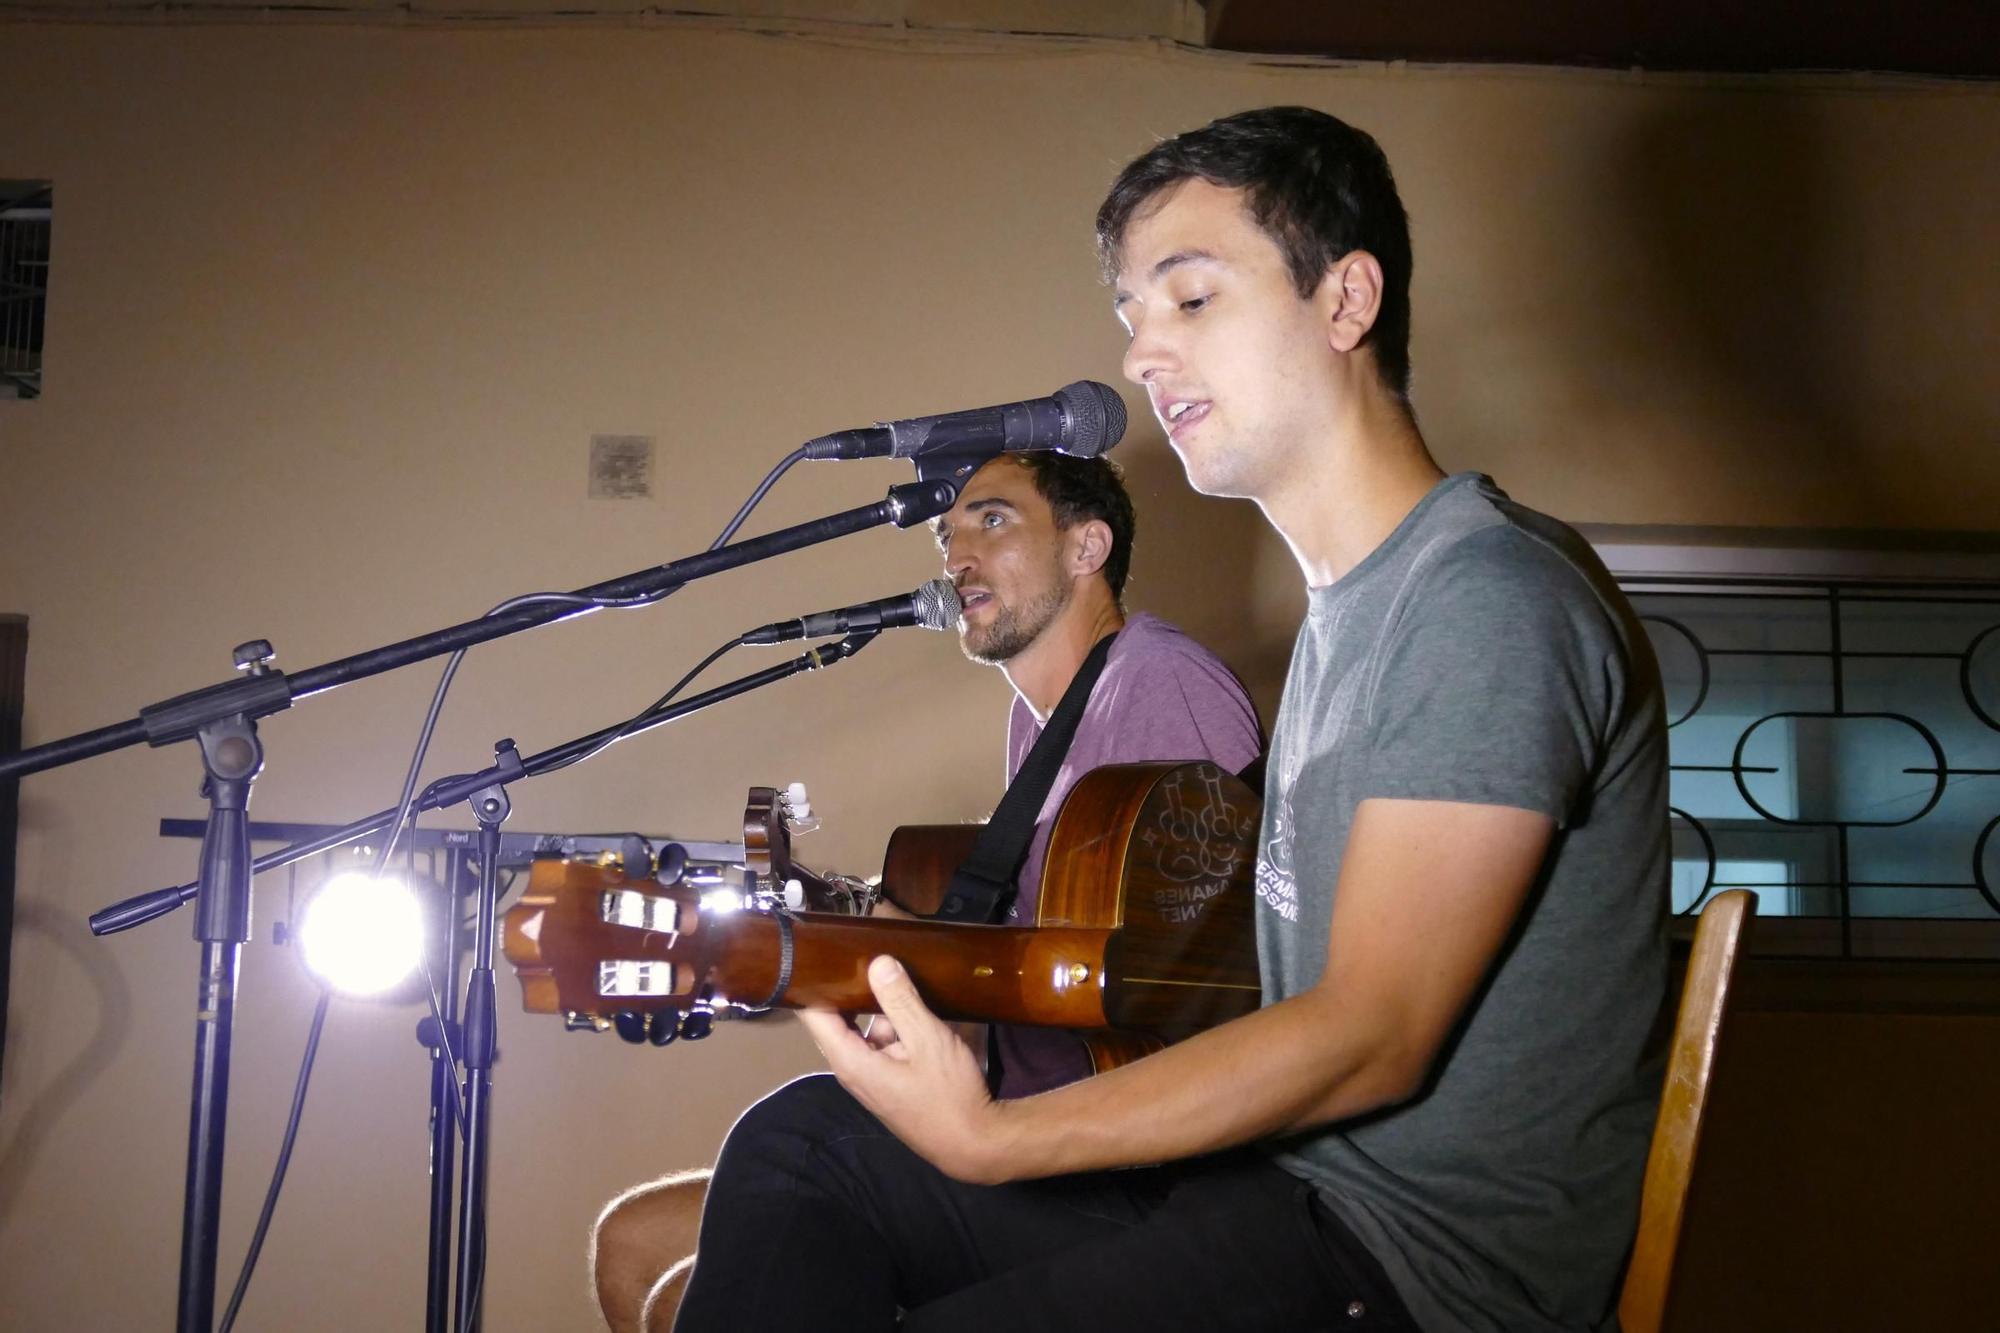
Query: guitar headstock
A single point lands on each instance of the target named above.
(595, 944)
(770, 818)
(590, 943)
(601, 948)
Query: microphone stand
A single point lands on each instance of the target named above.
(441, 1034)
(222, 719)
(144, 907)
(475, 1035)
(262, 693)
(490, 806)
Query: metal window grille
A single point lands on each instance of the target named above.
(1836, 749)
(26, 209)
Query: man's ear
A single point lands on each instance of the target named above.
(1089, 547)
(1350, 299)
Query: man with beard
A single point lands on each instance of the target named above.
(1038, 546)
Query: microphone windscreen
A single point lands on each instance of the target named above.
(1097, 416)
(938, 605)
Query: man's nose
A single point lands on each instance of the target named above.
(1146, 355)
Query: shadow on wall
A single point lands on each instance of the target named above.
(1204, 563)
(1747, 289)
(43, 926)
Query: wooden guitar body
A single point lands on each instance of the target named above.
(1144, 931)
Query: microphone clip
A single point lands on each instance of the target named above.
(936, 489)
(826, 654)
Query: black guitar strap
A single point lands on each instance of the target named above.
(982, 889)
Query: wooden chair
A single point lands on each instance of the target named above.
(1642, 1307)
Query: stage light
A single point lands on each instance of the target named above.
(361, 934)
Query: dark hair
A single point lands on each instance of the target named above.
(1317, 186)
(1081, 489)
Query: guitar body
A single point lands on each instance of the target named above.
(1144, 932)
(1164, 857)
(917, 864)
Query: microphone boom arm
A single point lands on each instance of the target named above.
(508, 767)
(256, 696)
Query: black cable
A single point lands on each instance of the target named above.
(471, 1302)
(403, 807)
(632, 723)
(503, 889)
(471, 1320)
(757, 496)
(284, 1161)
(406, 814)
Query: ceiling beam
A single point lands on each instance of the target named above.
(1949, 37)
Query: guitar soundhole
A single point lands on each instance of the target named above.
(633, 978)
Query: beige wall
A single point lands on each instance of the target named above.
(339, 300)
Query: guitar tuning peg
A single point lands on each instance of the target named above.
(661, 1029)
(635, 857)
(795, 894)
(630, 1026)
(799, 816)
(701, 1018)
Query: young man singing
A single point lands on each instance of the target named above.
(1439, 1117)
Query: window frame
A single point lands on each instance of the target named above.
(1665, 559)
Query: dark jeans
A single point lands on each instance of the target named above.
(820, 1218)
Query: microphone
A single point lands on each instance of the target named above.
(934, 606)
(1081, 419)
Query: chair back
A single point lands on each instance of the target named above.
(1642, 1307)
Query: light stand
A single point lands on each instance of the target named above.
(458, 883)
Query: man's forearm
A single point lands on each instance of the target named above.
(1286, 1067)
(1362, 1038)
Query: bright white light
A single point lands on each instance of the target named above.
(722, 900)
(361, 935)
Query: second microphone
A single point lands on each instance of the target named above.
(933, 606)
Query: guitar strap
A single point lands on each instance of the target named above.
(982, 889)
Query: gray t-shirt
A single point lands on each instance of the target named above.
(1482, 654)
(1161, 696)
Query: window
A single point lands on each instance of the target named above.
(25, 211)
(1834, 730)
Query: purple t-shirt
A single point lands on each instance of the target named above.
(1161, 696)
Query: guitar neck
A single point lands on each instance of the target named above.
(1003, 974)
(1148, 873)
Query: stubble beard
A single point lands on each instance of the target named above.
(1012, 631)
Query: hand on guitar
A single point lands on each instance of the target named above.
(878, 1031)
(972, 1034)
(922, 1081)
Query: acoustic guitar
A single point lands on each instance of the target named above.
(1143, 935)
